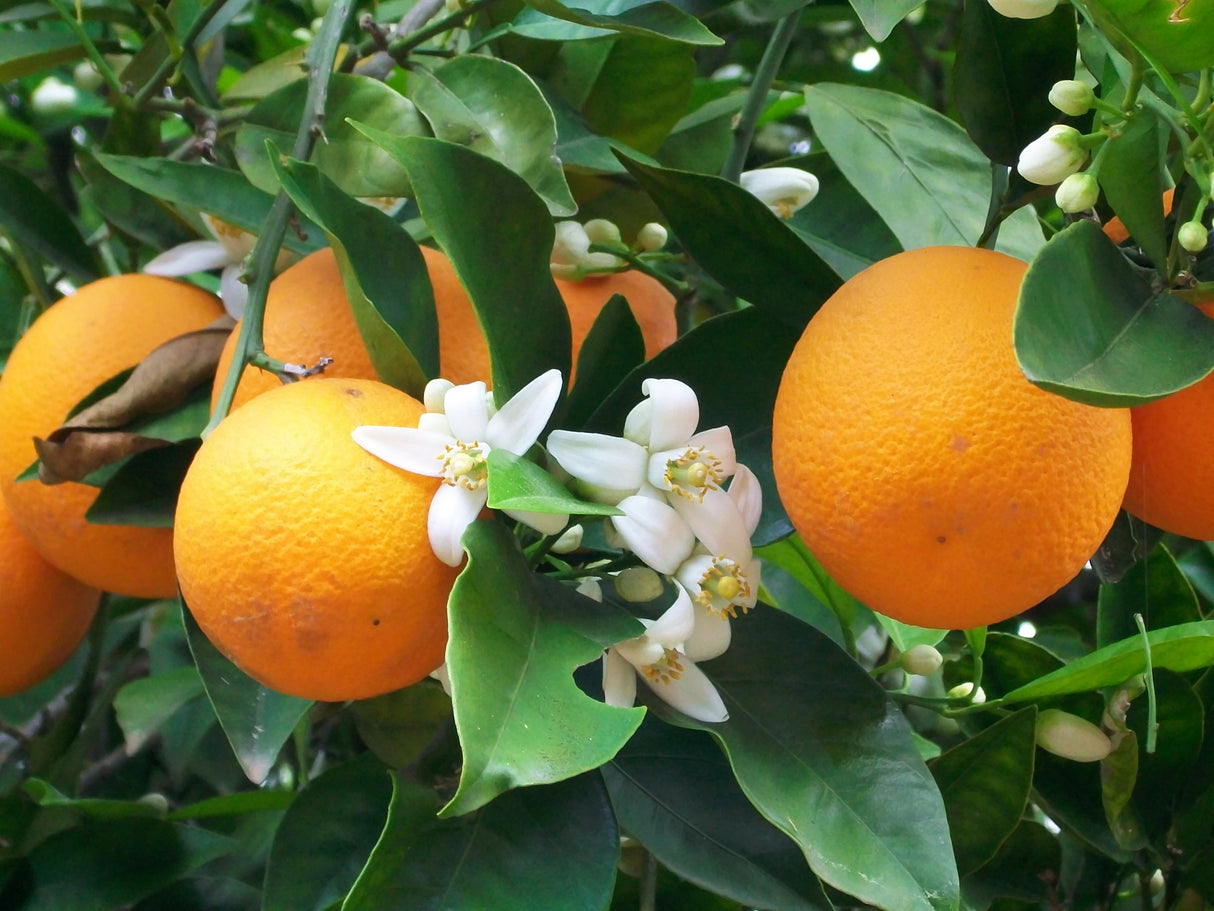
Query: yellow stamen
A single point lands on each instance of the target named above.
(464, 465)
(694, 473)
(665, 669)
(723, 587)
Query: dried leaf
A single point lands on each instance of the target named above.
(81, 453)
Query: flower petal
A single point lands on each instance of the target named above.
(710, 637)
(619, 680)
(194, 256)
(605, 461)
(716, 522)
(718, 441)
(692, 693)
(232, 291)
(676, 412)
(452, 510)
(413, 450)
(518, 423)
(654, 532)
(467, 411)
(747, 495)
(546, 523)
(676, 623)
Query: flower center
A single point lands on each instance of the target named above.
(723, 587)
(666, 669)
(694, 473)
(464, 464)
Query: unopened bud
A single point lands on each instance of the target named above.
(1193, 236)
(1071, 737)
(571, 243)
(651, 237)
(1023, 9)
(1077, 193)
(1072, 97)
(921, 660)
(602, 231)
(783, 190)
(1052, 157)
(87, 77)
(570, 540)
(638, 584)
(963, 691)
(53, 96)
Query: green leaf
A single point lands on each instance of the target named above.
(792, 556)
(740, 242)
(1176, 37)
(104, 864)
(1088, 326)
(1131, 176)
(492, 107)
(1003, 74)
(515, 641)
(918, 169)
(613, 347)
(33, 219)
(221, 192)
(1187, 647)
(673, 791)
(1027, 868)
(143, 705)
(1156, 588)
(326, 836)
(46, 795)
(985, 782)
(501, 262)
(1010, 661)
(654, 18)
(27, 51)
(805, 719)
(880, 16)
(384, 275)
(256, 720)
(550, 848)
(138, 214)
(144, 489)
(346, 156)
(518, 483)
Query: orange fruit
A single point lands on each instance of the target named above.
(306, 559)
(1115, 228)
(106, 327)
(920, 466)
(1171, 477)
(308, 316)
(44, 612)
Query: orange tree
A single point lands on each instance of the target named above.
(664, 632)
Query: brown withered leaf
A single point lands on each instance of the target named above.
(95, 438)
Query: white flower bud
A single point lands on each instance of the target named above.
(638, 584)
(1077, 193)
(783, 190)
(921, 660)
(1071, 737)
(53, 96)
(571, 243)
(435, 393)
(569, 541)
(1072, 97)
(963, 690)
(602, 231)
(1052, 157)
(651, 237)
(1023, 9)
(1193, 236)
(87, 77)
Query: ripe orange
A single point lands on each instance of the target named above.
(306, 559)
(308, 316)
(1115, 228)
(44, 612)
(1172, 477)
(929, 477)
(106, 327)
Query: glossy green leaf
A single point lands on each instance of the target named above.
(225, 193)
(613, 347)
(1177, 37)
(1010, 661)
(1118, 776)
(30, 217)
(673, 790)
(1088, 326)
(880, 16)
(144, 489)
(398, 726)
(1070, 793)
(46, 795)
(516, 640)
(1027, 867)
(805, 719)
(237, 804)
(1155, 588)
(1003, 74)
(740, 242)
(139, 214)
(655, 18)
(104, 864)
(346, 156)
(985, 782)
(1187, 647)
(579, 147)
(384, 275)
(791, 555)
(501, 262)
(492, 107)
(256, 720)
(143, 705)
(1131, 176)
(520, 484)
(326, 836)
(27, 51)
(549, 848)
(919, 170)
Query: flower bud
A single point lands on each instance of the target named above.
(87, 77)
(1193, 236)
(651, 237)
(1052, 157)
(963, 690)
(1072, 97)
(1023, 9)
(921, 660)
(783, 190)
(602, 231)
(571, 243)
(435, 394)
(1071, 737)
(638, 584)
(1077, 193)
(569, 541)
(53, 96)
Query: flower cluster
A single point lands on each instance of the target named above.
(685, 509)
(573, 257)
